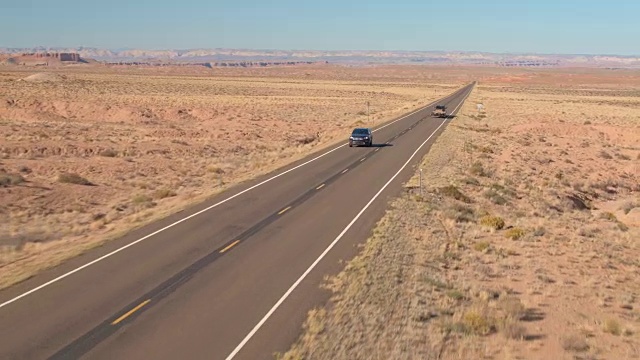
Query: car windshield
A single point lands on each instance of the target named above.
(360, 132)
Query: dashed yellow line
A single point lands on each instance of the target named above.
(284, 210)
(344, 171)
(127, 314)
(230, 246)
(320, 187)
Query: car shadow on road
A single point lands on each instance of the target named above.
(381, 145)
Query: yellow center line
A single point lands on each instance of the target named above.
(320, 187)
(345, 170)
(284, 210)
(126, 315)
(230, 246)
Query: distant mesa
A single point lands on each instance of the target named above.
(59, 56)
(44, 59)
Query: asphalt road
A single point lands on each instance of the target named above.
(234, 278)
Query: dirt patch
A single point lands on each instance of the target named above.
(530, 252)
(44, 77)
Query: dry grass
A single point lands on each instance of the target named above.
(109, 153)
(450, 289)
(628, 206)
(478, 322)
(453, 192)
(494, 222)
(515, 233)
(10, 179)
(575, 343)
(514, 331)
(612, 327)
(72, 178)
(481, 246)
(164, 193)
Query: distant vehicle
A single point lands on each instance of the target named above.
(440, 111)
(361, 136)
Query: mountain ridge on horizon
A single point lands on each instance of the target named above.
(337, 56)
(7, 49)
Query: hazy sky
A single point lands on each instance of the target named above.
(542, 26)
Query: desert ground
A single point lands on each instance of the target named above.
(89, 152)
(523, 244)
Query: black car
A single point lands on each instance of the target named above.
(361, 136)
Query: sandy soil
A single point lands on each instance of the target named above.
(88, 153)
(524, 245)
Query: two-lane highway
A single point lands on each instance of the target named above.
(233, 277)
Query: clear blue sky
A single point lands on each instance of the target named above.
(542, 26)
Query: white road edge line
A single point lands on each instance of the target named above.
(196, 214)
(335, 241)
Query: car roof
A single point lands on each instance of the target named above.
(361, 129)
